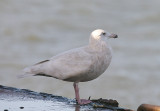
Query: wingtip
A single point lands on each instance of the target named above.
(24, 75)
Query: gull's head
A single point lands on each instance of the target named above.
(100, 34)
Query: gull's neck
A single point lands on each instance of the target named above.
(99, 45)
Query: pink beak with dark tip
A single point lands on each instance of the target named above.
(113, 36)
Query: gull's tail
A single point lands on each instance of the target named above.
(33, 70)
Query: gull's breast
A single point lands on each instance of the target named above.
(101, 63)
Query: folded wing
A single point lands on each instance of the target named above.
(70, 65)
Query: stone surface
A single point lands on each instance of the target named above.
(23, 99)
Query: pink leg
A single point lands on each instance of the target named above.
(80, 101)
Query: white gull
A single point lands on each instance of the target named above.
(79, 64)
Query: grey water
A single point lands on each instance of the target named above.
(32, 31)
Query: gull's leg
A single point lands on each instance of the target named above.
(76, 89)
(79, 101)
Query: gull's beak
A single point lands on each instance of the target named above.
(113, 36)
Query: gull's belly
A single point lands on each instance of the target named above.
(93, 72)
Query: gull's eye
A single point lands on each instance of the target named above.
(103, 33)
